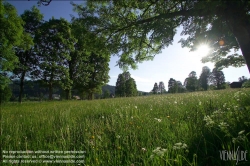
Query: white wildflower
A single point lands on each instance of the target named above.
(184, 146)
(99, 137)
(209, 121)
(180, 146)
(241, 132)
(223, 125)
(159, 152)
(159, 120)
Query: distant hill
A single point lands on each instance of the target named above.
(110, 88)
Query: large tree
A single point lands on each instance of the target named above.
(11, 35)
(155, 88)
(78, 57)
(217, 79)
(131, 89)
(54, 44)
(89, 61)
(191, 82)
(175, 86)
(124, 85)
(204, 78)
(136, 31)
(120, 87)
(172, 85)
(96, 69)
(162, 87)
(28, 57)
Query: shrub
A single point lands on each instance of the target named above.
(5, 94)
(246, 84)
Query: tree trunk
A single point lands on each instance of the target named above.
(21, 87)
(90, 96)
(239, 24)
(50, 91)
(1, 142)
(68, 94)
(243, 37)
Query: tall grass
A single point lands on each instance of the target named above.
(179, 129)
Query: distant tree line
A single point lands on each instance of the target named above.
(208, 79)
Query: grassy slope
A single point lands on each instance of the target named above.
(127, 131)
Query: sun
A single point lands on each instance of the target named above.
(203, 50)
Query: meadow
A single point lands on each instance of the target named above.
(175, 129)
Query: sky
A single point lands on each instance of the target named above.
(174, 61)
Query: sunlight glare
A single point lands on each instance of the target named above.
(203, 50)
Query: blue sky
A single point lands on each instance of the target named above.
(174, 61)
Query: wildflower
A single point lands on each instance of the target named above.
(102, 117)
(179, 146)
(158, 151)
(175, 102)
(223, 125)
(99, 137)
(235, 108)
(143, 149)
(184, 146)
(135, 107)
(241, 132)
(92, 137)
(159, 120)
(209, 121)
(118, 136)
(168, 116)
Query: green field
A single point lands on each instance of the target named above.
(176, 129)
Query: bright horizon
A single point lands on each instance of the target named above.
(174, 61)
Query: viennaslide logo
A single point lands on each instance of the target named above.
(238, 155)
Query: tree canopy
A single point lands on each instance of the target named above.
(125, 85)
(28, 58)
(11, 35)
(137, 31)
(54, 44)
